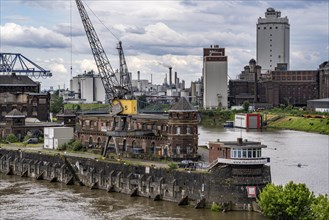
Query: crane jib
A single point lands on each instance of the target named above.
(114, 88)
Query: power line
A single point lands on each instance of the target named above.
(101, 21)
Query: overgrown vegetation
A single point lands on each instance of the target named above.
(215, 207)
(11, 138)
(292, 201)
(72, 145)
(172, 165)
(86, 107)
(216, 118)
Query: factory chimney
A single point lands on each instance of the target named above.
(170, 79)
(138, 76)
(175, 78)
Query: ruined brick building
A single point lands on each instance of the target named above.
(173, 135)
(20, 98)
(22, 93)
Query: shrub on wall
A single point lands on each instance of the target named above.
(11, 138)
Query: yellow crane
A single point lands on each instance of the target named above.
(118, 91)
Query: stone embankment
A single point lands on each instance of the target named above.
(224, 184)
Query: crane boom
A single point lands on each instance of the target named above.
(114, 90)
(125, 79)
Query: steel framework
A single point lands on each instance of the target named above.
(17, 63)
(113, 88)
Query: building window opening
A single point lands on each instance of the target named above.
(246, 153)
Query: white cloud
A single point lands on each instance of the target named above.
(32, 37)
(167, 32)
(87, 65)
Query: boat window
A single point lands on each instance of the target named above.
(246, 153)
(249, 153)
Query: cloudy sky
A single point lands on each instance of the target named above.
(156, 34)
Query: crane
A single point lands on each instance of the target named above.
(117, 92)
(17, 63)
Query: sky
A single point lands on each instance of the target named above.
(156, 34)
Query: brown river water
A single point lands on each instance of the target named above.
(26, 198)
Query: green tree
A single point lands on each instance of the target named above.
(245, 106)
(56, 104)
(320, 207)
(293, 201)
(270, 201)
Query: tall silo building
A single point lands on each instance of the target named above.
(273, 40)
(214, 77)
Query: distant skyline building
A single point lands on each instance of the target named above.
(88, 88)
(273, 40)
(214, 77)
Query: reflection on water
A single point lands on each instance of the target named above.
(26, 198)
(286, 149)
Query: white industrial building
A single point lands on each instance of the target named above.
(88, 88)
(273, 40)
(54, 137)
(214, 77)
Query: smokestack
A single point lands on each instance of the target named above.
(138, 76)
(170, 79)
(175, 78)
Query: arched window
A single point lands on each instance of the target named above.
(99, 142)
(90, 142)
(124, 145)
(177, 130)
(153, 147)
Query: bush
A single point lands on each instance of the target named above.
(11, 138)
(76, 146)
(215, 207)
(173, 165)
(63, 147)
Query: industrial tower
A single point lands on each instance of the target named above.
(273, 41)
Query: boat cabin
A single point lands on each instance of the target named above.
(237, 152)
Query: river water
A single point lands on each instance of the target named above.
(26, 198)
(286, 149)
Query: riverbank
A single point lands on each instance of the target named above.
(297, 120)
(309, 124)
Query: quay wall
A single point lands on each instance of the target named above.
(226, 185)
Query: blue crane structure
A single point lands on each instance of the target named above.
(17, 63)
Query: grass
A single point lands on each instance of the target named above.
(85, 107)
(318, 125)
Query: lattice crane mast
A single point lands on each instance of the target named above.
(118, 93)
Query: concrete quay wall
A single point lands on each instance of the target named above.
(226, 185)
